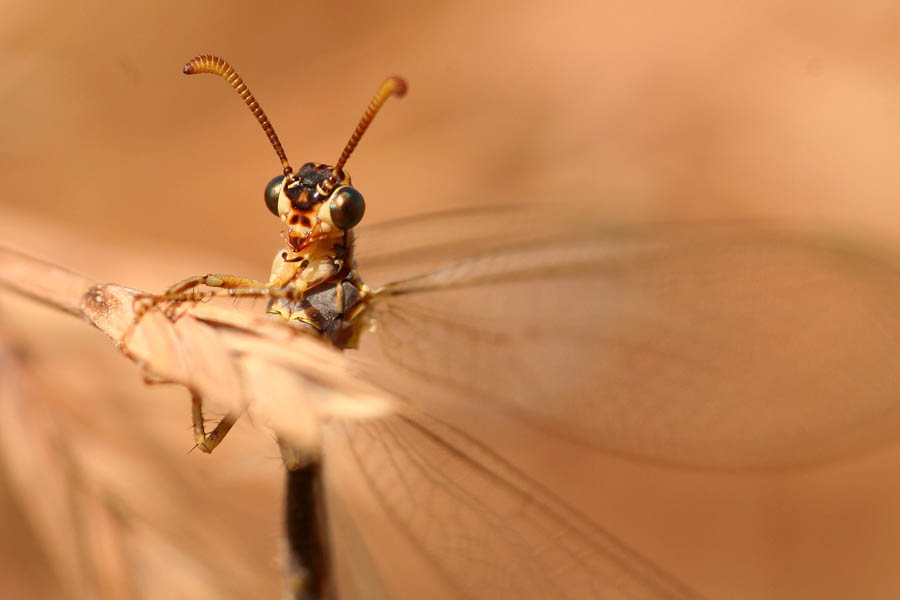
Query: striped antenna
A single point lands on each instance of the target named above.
(207, 63)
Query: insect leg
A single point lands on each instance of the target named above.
(183, 290)
(213, 280)
(207, 442)
(294, 292)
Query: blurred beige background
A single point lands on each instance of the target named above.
(767, 109)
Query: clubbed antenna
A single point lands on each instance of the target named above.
(392, 86)
(207, 63)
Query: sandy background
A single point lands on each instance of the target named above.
(116, 165)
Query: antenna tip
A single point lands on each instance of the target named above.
(202, 63)
(398, 85)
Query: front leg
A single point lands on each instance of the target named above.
(293, 292)
(284, 269)
(212, 280)
(185, 290)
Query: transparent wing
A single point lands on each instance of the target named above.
(714, 345)
(483, 527)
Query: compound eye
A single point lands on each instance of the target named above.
(347, 207)
(273, 191)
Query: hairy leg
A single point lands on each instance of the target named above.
(216, 280)
(226, 286)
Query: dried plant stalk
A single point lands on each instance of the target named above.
(109, 513)
(231, 360)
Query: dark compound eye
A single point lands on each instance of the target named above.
(347, 207)
(273, 190)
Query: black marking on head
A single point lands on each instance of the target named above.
(313, 174)
(300, 197)
(339, 250)
(295, 217)
(303, 189)
(304, 220)
(302, 192)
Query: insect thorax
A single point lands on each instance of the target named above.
(335, 310)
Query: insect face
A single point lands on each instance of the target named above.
(307, 210)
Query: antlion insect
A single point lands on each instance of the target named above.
(542, 327)
(479, 525)
(314, 286)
